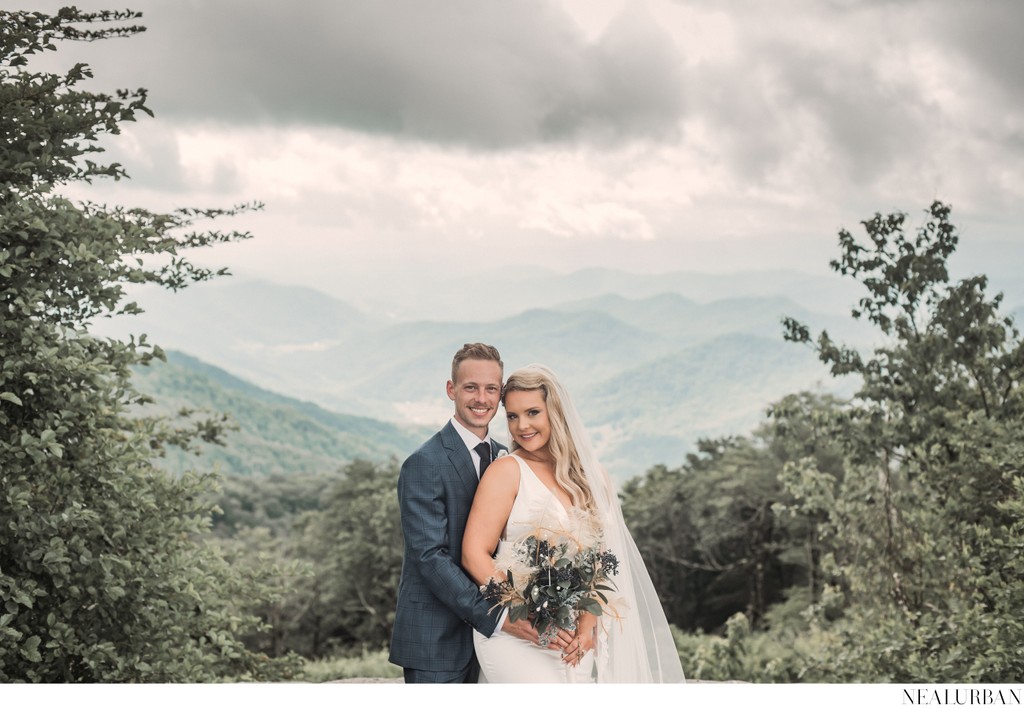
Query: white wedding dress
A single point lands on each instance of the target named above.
(505, 658)
(634, 640)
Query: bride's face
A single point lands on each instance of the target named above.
(527, 415)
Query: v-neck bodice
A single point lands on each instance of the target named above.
(535, 504)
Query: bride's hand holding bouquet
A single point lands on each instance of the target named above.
(558, 578)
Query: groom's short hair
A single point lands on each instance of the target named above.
(475, 350)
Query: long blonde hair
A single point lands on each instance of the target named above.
(569, 473)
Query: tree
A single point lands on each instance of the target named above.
(356, 547)
(106, 572)
(262, 524)
(926, 527)
(711, 532)
(804, 433)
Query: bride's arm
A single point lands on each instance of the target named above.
(492, 505)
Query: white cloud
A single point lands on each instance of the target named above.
(403, 135)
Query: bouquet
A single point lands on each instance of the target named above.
(552, 575)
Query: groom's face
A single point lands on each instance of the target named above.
(476, 392)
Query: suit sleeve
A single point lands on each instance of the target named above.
(423, 502)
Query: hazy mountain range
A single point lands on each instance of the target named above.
(271, 433)
(651, 368)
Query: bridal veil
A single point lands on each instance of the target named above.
(638, 647)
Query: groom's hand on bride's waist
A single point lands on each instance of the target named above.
(521, 629)
(524, 631)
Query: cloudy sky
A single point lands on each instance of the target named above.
(439, 138)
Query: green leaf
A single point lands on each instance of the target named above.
(8, 396)
(30, 649)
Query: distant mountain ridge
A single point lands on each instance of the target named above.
(649, 374)
(507, 292)
(652, 370)
(276, 433)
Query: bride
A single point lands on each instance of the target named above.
(553, 477)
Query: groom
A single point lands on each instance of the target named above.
(438, 604)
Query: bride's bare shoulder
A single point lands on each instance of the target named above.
(505, 465)
(500, 480)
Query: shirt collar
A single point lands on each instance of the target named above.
(468, 437)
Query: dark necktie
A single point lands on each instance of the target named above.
(484, 451)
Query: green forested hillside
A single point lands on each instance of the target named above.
(639, 416)
(275, 433)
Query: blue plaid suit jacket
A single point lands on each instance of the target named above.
(438, 603)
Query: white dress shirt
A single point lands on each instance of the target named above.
(472, 441)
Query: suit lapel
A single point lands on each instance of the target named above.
(459, 456)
